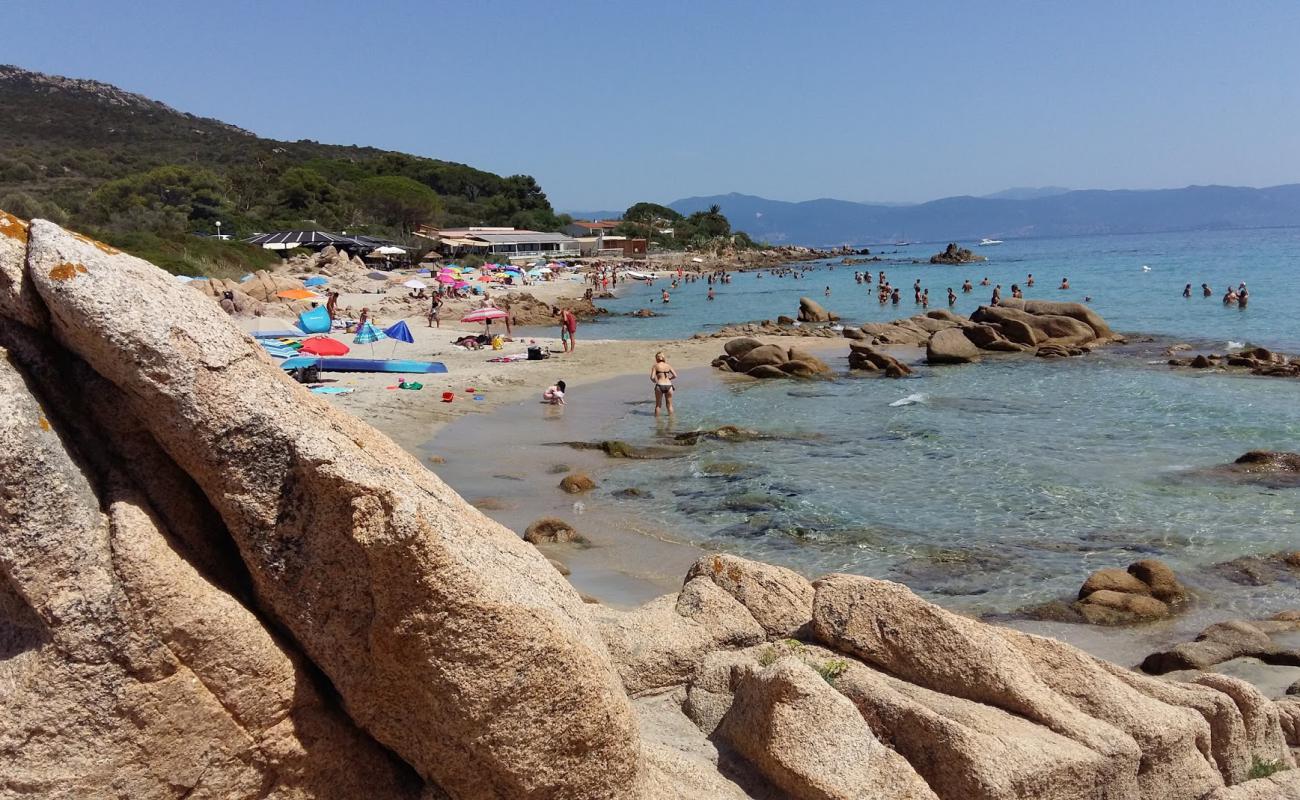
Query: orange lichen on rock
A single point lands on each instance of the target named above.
(13, 227)
(95, 243)
(66, 271)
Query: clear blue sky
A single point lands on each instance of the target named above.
(610, 103)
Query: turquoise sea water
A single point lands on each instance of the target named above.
(1106, 268)
(994, 485)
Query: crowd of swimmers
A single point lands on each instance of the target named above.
(1237, 296)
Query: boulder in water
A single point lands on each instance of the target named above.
(951, 346)
(811, 311)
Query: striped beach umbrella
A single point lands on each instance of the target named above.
(368, 334)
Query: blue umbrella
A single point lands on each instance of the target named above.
(316, 280)
(369, 334)
(398, 332)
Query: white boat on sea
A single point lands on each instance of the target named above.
(989, 242)
(640, 276)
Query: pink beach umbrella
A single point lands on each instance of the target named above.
(485, 315)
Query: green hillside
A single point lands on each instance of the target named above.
(145, 177)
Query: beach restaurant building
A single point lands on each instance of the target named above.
(502, 243)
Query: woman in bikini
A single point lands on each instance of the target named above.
(662, 376)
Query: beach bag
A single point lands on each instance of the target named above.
(498, 342)
(535, 353)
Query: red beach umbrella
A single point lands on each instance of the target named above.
(323, 346)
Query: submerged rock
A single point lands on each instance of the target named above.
(577, 483)
(550, 530)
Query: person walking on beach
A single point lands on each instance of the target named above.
(568, 330)
(435, 306)
(331, 305)
(662, 376)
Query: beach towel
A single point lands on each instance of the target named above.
(331, 390)
(510, 359)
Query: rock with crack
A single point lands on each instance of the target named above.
(810, 740)
(415, 606)
(128, 671)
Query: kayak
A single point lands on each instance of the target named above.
(331, 364)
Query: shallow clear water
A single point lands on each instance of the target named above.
(985, 486)
(1106, 268)
(995, 485)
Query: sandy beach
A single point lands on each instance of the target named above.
(412, 417)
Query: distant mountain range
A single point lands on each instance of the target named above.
(1014, 213)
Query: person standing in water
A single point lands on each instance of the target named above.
(710, 293)
(662, 376)
(952, 297)
(1206, 291)
(997, 295)
(1065, 283)
(966, 287)
(1030, 280)
(1187, 290)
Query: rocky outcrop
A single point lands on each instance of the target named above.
(975, 711)
(757, 360)
(866, 358)
(780, 600)
(1045, 329)
(1224, 641)
(951, 346)
(1256, 361)
(810, 740)
(1147, 590)
(414, 608)
(952, 254)
(811, 311)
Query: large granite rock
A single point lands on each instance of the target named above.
(951, 346)
(127, 671)
(416, 607)
(811, 311)
(779, 599)
(664, 642)
(18, 299)
(1043, 681)
(811, 741)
